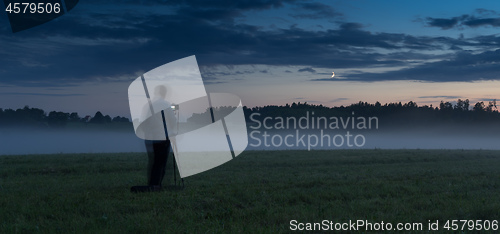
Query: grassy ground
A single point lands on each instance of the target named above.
(257, 192)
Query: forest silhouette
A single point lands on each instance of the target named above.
(389, 114)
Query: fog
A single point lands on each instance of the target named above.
(15, 142)
(23, 141)
(413, 138)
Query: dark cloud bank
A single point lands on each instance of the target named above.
(105, 42)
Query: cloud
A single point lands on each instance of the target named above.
(477, 22)
(209, 14)
(445, 97)
(307, 69)
(74, 49)
(228, 4)
(442, 23)
(42, 94)
(489, 99)
(220, 4)
(486, 12)
(109, 40)
(486, 18)
(464, 66)
(339, 99)
(315, 10)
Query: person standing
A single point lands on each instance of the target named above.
(157, 150)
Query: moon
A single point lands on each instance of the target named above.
(333, 74)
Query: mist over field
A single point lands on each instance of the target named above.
(412, 138)
(290, 127)
(25, 141)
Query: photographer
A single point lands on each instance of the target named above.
(158, 150)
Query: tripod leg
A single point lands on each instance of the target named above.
(175, 167)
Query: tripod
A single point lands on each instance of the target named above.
(173, 146)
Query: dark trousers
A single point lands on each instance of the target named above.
(157, 160)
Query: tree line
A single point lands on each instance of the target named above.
(35, 117)
(390, 113)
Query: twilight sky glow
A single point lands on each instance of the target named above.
(265, 51)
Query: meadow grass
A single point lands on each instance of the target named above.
(258, 192)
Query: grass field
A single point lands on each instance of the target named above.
(259, 191)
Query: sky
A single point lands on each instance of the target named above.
(268, 52)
